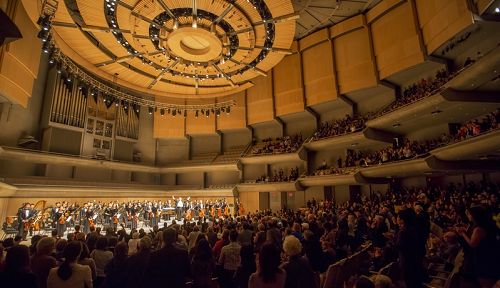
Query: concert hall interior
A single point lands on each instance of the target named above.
(129, 114)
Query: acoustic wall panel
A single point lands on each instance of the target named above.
(260, 100)
(319, 74)
(201, 124)
(21, 58)
(288, 90)
(353, 58)
(396, 41)
(168, 126)
(440, 20)
(237, 118)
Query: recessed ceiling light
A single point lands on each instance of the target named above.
(497, 10)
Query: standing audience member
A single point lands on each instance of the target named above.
(70, 273)
(86, 260)
(101, 256)
(299, 272)
(247, 267)
(137, 263)
(269, 275)
(168, 265)
(202, 265)
(483, 247)
(133, 244)
(16, 271)
(229, 260)
(116, 268)
(406, 243)
(42, 261)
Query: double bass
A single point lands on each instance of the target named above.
(241, 209)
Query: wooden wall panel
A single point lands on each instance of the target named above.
(440, 20)
(260, 100)
(21, 58)
(396, 41)
(288, 90)
(201, 124)
(313, 39)
(168, 126)
(353, 60)
(237, 118)
(482, 5)
(319, 76)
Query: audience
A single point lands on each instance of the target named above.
(408, 149)
(415, 228)
(269, 275)
(169, 264)
(70, 273)
(101, 256)
(42, 261)
(229, 260)
(279, 176)
(299, 272)
(16, 272)
(286, 144)
(348, 124)
(202, 265)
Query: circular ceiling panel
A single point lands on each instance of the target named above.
(179, 47)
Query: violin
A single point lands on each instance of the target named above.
(63, 217)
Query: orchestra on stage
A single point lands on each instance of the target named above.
(132, 214)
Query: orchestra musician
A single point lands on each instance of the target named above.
(23, 216)
(55, 212)
(115, 217)
(61, 221)
(179, 207)
(107, 214)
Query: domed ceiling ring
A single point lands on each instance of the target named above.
(189, 47)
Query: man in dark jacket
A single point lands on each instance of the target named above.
(137, 263)
(169, 265)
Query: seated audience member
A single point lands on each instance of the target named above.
(70, 273)
(268, 274)
(42, 261)
(298, 271)
(116, 268)
(202, 265)
(16, 271)
(168, 264)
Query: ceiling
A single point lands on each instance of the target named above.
(316, 14)
(207, 48)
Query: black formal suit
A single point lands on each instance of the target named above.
(168, 267)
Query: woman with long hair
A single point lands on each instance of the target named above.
(247, 266)
(482, 245)
(70, 273)
(202, 265)
(16, 271)
(268, 275)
